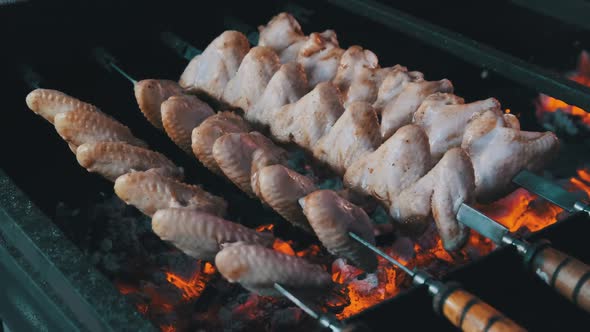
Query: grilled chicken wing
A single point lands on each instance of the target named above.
(281, 188)
(258, 268)
(150, 94)
(358, 70)
(396, 164)
(320, 56)
(354, 135)
(180, 115)
(253, 75)
(204, 136)
(113, 159)
(149, 192)
(438, 195)
(307, 120)
(80, 126)
(209, 72)
(280, 33)
(200, 234)
(400, 110)
(48, 103)
(499, 152)
(286, 86)
(332, 217)
(445, 116)
(234, 152)
(262, 158)
(393, 84)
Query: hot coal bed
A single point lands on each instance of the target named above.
(74, 257)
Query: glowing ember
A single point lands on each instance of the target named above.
(284, 247)
(582, 76)
(167, 328)
(263, 228)
(209, 268)
(191, 288)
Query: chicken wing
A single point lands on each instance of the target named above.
(354, 135)
(48, 103)
(209, 72)
(150, 94)
(233, 153)
(307, 120)
(257, 269)
(396, 164)
(149, 192)
(253, 75)
(393, 84)
(282, 31)
(499, 152)
(286, 86)
(180, 115)
(445, 116)
(332, 217)
(438, 195)
(113, 159)
(281, 188)
(200, 234)
(320, 56)
(204, 136)
(80, 126)
(400, 110)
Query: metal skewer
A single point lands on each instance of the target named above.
(460, 307)
(109, 62)
(567, 275)
(551, 192)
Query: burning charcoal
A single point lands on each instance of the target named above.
(403, 249)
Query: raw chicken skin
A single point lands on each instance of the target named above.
(310, 118)
(438, 195)
(209, 72)
(396, 164)
(445, 116)
(180, 115)
(286, 86)
(80, 126)
(258, 268)
(393, 84)
(282, 31)
(150, 94)
(204, 136)
(499, 152)
(353, 136)
(320, 57)
(149, 192)
(332, 217)
(48, 103)
(281, 188)
(400, 110)
(255, 71)
(113, 159)
(234, 152)
(200, 234)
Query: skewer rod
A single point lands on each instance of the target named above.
(382, 254)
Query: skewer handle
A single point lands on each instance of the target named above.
(567, 275)
(469, 313)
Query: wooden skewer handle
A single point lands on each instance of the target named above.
(567, 275)
(469, 313)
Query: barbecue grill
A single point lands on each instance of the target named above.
(73, 257)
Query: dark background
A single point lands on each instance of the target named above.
(56, 38)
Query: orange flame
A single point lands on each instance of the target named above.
(191, 288)
(268, 227)
(167, 328)
(284, 247)
(520, 209)
(582, 76)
